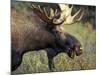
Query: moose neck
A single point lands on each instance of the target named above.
(58, 38)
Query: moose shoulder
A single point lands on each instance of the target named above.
(32, 34)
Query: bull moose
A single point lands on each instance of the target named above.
(29, 37)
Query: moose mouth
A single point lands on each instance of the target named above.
(72, 52)
(79, 52)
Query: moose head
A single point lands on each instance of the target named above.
(75, 47)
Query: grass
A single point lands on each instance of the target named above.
(36, 61)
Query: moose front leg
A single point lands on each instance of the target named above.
(16, 60)
(51, 53)
(51, 64)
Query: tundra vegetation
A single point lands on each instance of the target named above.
(84, 31)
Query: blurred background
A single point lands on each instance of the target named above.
(84, 31)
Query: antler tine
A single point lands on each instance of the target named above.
(33, 6)
(51, 19)
(71, 9)
(37, 9)
(67, 12)
(81, 16)
(52, 14)
(56, 11)
(40, 9)
(60, 21)
(41, 13)
(76, 13)
(44, 10)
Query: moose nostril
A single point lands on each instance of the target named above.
(81, 48)
(81, 51)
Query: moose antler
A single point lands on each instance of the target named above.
(66, 11)
(52, 19)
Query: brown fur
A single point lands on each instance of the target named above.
(27, 35)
